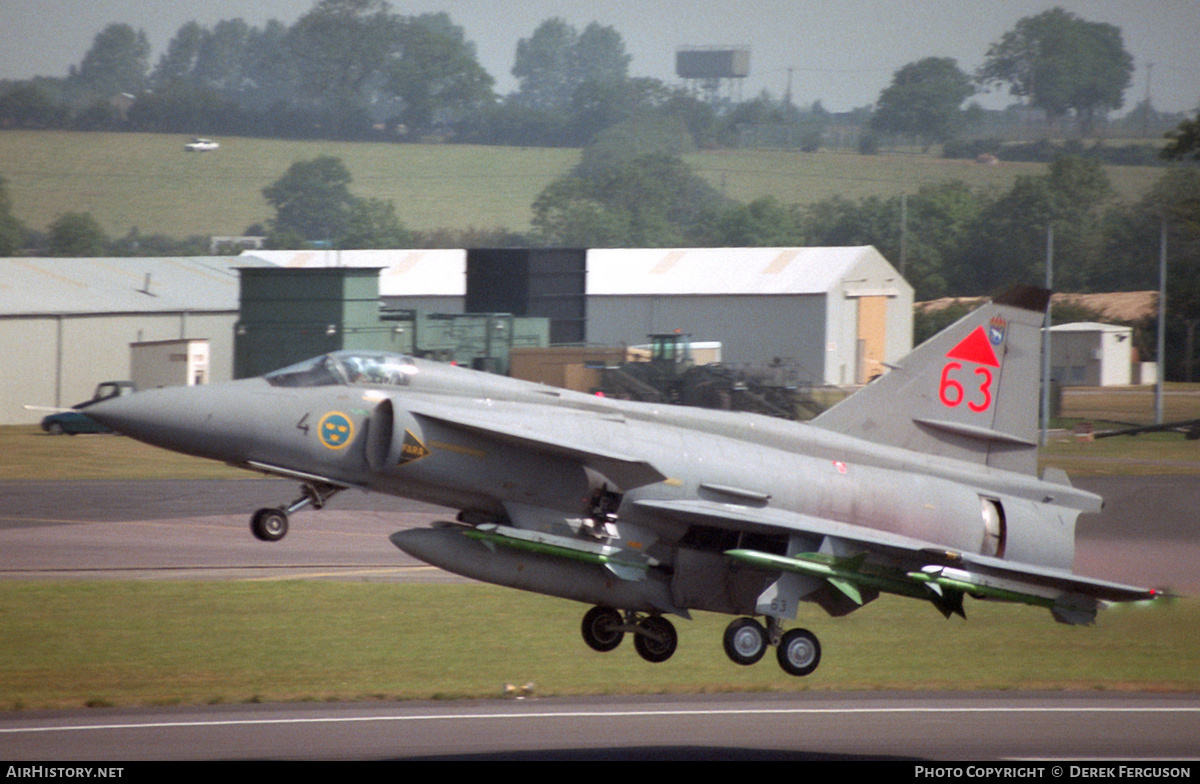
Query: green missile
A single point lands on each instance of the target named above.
(965, 582)
(562, 547)
(844, 573)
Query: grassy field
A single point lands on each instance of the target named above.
(148, 181)
(28, 453)
(75, 644)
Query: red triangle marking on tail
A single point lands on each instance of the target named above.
(975, 348)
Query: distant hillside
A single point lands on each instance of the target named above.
(150, 182)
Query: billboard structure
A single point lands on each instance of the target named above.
(707, 67)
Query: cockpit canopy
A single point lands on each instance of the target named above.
(369, 368)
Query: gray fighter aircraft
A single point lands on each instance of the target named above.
(922, 484)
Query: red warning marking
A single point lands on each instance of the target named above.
(975, 348)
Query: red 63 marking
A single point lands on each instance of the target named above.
(953, 393)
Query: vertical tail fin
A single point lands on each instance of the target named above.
(970, 392)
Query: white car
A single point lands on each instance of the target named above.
(201, 145)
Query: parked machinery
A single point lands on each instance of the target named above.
(671, 375)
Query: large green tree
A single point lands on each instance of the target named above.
(436, 74)
(178, 63)
(312, 199)
(1184, 142)
(117, 62)
(652, 200)
(554, 62)
(1062, 64)
(341, 49)
(924, 99)
(313, 202)
(1009, 243)
(76, 234)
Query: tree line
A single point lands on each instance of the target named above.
(355, 69)
(351, 69)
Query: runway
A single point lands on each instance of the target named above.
(1147, 534)
(199, 530)
(1142, 729)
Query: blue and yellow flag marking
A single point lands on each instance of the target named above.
(335, 430)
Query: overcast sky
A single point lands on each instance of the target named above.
(842, 52)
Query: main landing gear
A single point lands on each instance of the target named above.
(271, 524)
(746, 640)
(604, 628)
(797, 650)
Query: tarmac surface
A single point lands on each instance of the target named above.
(1031, 731)
(1147, 535)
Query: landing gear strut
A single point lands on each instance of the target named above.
(604, 628)
(271, 524)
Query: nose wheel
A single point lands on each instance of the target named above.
(271, 524)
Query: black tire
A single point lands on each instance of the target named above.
(656, 639)
(799, 652)
(601, 629)
(269, 525)
(745, 641)
(56, 429)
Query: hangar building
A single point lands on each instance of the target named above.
(67, 324)
(842, 313)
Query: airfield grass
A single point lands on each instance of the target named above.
(147, 181)
(76, 644)
(26, 452)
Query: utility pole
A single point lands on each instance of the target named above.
(1160, 348)
(1146, 114)
(1046, 335)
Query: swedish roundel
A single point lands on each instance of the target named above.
(335, 430)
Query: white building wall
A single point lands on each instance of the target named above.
(1091, 354)
(60, 359)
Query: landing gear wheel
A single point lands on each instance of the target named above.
(656, 639)
(799, 652)
(602, 629)
(269, 525)
(745, 641)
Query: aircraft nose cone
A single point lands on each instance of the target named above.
(184, 419)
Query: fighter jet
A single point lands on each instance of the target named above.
(923, 484)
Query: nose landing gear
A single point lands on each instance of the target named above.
(271, 524)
